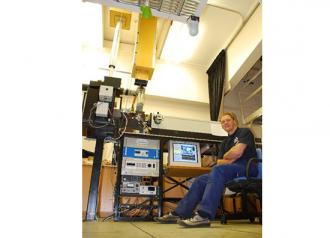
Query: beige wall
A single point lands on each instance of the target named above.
(181, 81)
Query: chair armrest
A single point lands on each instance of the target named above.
(251, 160)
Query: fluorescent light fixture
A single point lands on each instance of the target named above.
(193, 23)
(176, 10)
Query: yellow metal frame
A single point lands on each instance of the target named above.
(123, 16)
(145, 50)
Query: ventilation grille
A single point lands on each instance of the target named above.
(175, 7)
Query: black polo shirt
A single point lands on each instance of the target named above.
(241, 135)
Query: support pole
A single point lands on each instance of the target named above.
(94, 185)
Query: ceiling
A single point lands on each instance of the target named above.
(220, 20)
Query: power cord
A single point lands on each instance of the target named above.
(110, 139)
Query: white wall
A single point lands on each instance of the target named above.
(245, 50)
(177, 108)
(179, 81)
(171, 107)
(95, 63)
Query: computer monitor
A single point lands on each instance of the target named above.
(184, 153)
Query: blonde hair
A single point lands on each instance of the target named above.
(232, 115)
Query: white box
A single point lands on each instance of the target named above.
(105, 93)
(102, 109)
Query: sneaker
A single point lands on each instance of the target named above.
(166, 219)
(196, 221)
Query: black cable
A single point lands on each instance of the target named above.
(108, 217)
(138, 206)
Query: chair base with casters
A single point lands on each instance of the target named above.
(248, 209)
(244, 187)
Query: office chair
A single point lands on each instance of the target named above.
(244, 186)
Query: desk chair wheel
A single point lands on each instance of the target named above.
(223, 219)
(252, 219)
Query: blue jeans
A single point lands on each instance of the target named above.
(208, 188)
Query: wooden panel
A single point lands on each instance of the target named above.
(253, 204)
(106, 189)
(168, 207)
(228, 204)
(106, 193)
(177, 192)
(86, 178)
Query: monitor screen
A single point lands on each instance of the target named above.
(183, 153)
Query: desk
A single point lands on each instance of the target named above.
(179, 171)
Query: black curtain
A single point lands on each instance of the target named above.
(216, 73)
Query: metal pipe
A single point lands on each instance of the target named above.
(114, 48)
